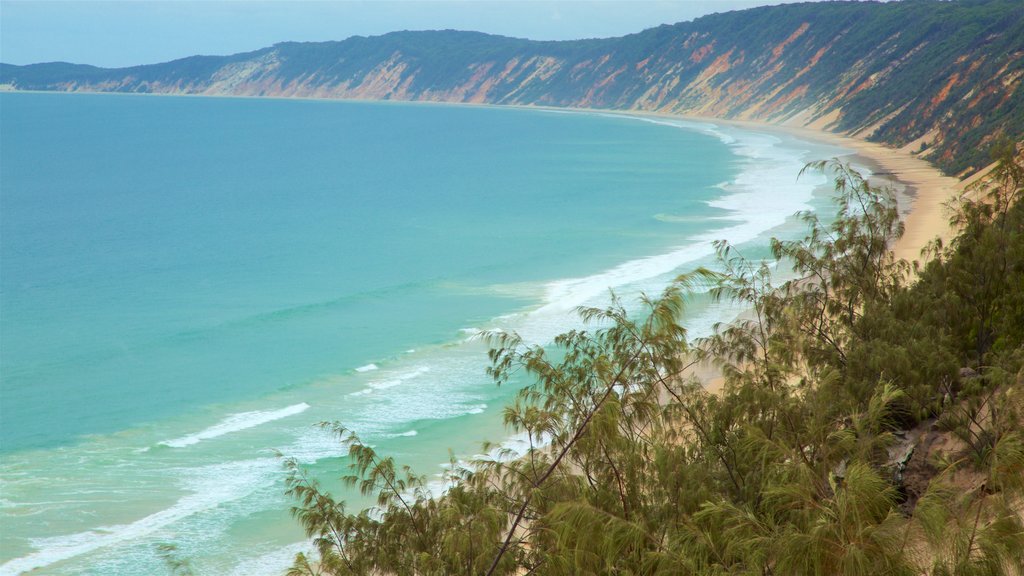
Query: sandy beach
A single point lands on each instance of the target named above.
(927, 188)
(923, 189)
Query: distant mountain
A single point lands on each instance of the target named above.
(943, 78)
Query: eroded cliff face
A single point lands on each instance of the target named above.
(943, 79)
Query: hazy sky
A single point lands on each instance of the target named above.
(123, 33)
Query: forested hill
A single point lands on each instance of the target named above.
(944, 78)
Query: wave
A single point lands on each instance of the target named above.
(764, 194)
(212, 486)
(397, 380)
(679, 218)
(235, 423)
(209, 488)
(511, 448)
(273, 563)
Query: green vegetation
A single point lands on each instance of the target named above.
(949, 71)
(867, 425)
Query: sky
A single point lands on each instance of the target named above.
(113, 33)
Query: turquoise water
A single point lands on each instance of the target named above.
(188, 284)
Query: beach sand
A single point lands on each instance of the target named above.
(927, 189)
(924, 187)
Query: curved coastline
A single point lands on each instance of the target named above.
(929, 189)
(924, 186)
(923, 191)
(922, 183)
(924, 220)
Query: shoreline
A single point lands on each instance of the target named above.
(911, 186)
(922, 190)
(926, 187)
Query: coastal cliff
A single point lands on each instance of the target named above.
(942, 79)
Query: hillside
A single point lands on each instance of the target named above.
(944, 78)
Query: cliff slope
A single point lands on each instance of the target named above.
(942, 78)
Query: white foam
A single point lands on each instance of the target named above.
(315, 443)
(512, 448)
(763, 196)
(397, 380)
(212, 486)
(677, 218)
(274, 563)
(236, 423)
(454, 384)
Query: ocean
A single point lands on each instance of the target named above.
(188, 285)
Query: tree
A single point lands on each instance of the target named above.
(632, 467)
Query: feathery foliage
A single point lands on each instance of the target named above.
(808, 460)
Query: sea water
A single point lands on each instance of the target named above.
(188, 285)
